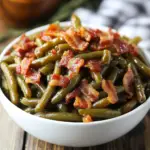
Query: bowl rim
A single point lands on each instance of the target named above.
(64, 24)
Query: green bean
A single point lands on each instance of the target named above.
(40, 51)
(12, 83)
(98, 78)
(48, 92)
(45, 60)
(8, 59)
(32, 102)
(75, 20)
(135, 40)
(106, 57)
(60, 95)
(105, 70)
(113, 75)
(103, 103)
(122, 62)
(41, 87)
(47, 69)
(62, 107)
(24, 86)
(30, 110)
(38, 42)
(62, 47)
(141, 66)
(130, 105)
(100, 113)
(139, 88)
(13, 66)
(5, 85)
(17, 60)
(90, 55)
(60, 116)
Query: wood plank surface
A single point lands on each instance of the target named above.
(11, 136)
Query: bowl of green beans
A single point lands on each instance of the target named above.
(74, 85)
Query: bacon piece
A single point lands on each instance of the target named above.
(59, 80)
(72, 95)
(82, 103)
(110, 89)
(53, 51)
(67, 55)
(88, 91)
(84, 33)
(33, 77)
(94, 65)
(128, 80)
(24, 46)
(18, 69)
(75, 64)
(87, 119)
(46, 38)
(74, 40)
(25, 65)
(53, 30)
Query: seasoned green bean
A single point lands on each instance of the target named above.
(48, 92)
(32, 102)
(13, 90)
(45, 60)
(62, 47)
(90, 55)
(139, 88)
(24, 86)
(8, 59)
(98, 78)
(13, 66)
(30, 110)
(38, 42)
(60, 116)
(62, 107)
(100, 113)
(76, 23)
(122, 62)
(40, 51)
(106, 57)
(113, 75)
(60, 95)
(141, 66)
(47, 69)
(103, 103)
(5, 85)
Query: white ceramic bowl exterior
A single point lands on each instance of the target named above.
(73, 134)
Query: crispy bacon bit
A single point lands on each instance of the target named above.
(59, 80)
(94, 65)
(87, 119)
(74, 40)
(75, 64)
(46, 38)
(53, 51)
(24, 46)
(25, 65)
(72, 95)
(85, 34)
(53, 30)
(67, 55)
(110, 89)
(128, 80)
(81, 103)
(88, 91)
(33, 77)
(18, 69)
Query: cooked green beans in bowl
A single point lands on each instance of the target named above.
(75, 73)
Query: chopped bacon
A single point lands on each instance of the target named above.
(59, 80)
(25, 65)
(87, 119)
(67, 55)
(53, 30)
(33, 77)
(53, 51)
(72, 95)
(75, 64)
(128, 80)
(84, 33)
(88, 91)
(24, 46)
(94, 65)
(74, 40)
(81, 103)
(46, 38)
(18, 69)
(110, 89)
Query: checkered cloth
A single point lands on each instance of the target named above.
(129, 17)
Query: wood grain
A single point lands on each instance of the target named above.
(11, 136)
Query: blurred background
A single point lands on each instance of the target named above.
(130, 17)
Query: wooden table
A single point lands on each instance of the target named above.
(13, 137)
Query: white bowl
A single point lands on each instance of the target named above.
(68, 133)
